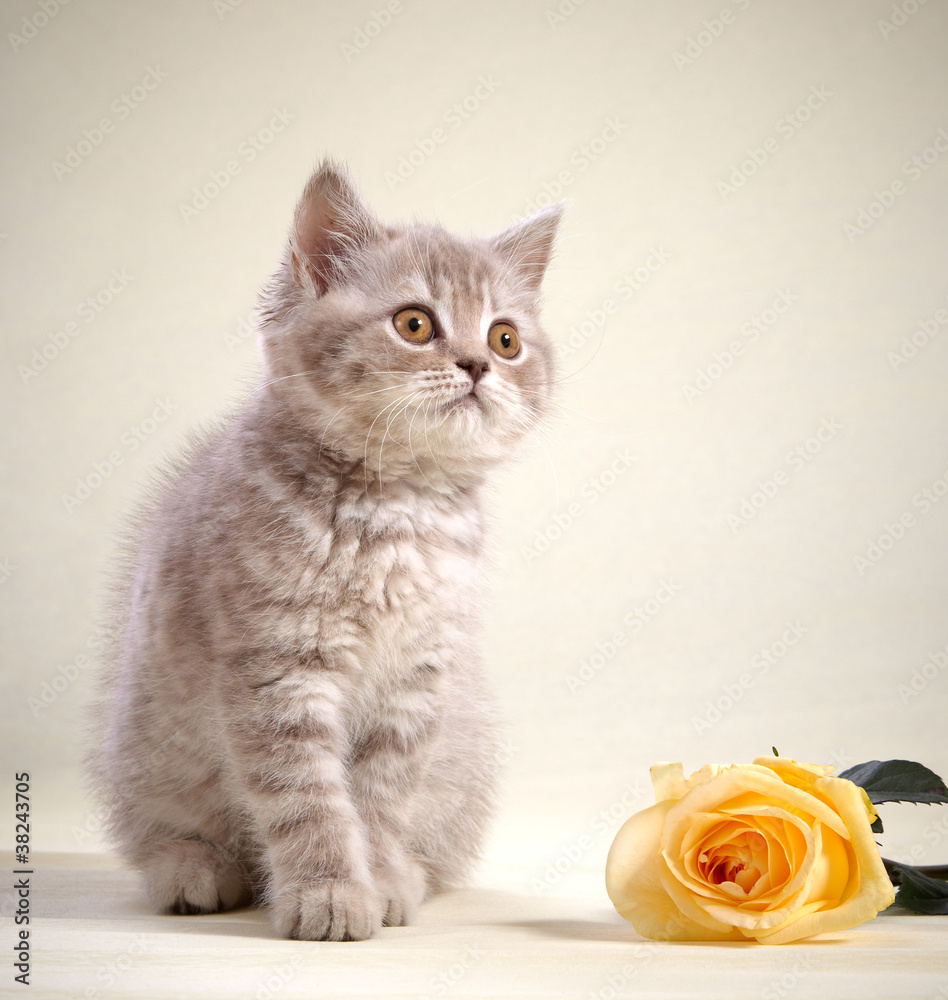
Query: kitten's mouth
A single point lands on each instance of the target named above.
(469, 400)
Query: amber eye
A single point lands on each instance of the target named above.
(503, 340)
(414, 325)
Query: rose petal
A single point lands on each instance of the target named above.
(773, 912)
(869, 889)
(807, 776)
(784, 842)
(737, 782)
(795, 773)
(634, 871)
(694, 895)
(709, 832)
(707, 826)
(718, 839)
(831, 873)
(697, 909)
(707, 773)
(668, 781)
(788, 841)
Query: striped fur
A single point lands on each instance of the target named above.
(295, 713)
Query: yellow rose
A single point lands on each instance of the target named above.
(771, 851)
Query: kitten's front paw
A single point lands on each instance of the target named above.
(194, 876)
(403, 887)
(327, 911)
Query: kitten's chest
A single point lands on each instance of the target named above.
(387, 553)
(392, 578)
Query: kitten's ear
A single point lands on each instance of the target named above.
(331, 228)
(528, 245)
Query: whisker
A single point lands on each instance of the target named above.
(408, 400)
(365, 458)
(411, 448)
(595, 354)
(283, 378)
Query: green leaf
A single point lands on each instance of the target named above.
(897, 781)
(877, 825)
(920, 892)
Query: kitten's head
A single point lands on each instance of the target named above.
(407, 348)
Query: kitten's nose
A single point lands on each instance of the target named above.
(475, 367)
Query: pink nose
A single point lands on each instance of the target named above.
(475, 367)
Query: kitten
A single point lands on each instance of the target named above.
(296, 714)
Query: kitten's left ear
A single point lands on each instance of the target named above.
(528, 245)
(332, 226)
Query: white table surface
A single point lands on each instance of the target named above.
(94, 937)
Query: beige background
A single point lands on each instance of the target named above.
(634, 492)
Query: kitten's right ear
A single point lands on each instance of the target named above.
(528, 245)
(332, 226)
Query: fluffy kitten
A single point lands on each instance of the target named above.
(296, 713)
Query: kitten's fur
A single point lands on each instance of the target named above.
(296, 713)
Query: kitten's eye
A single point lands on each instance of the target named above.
(414, 325)
(503, 340)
